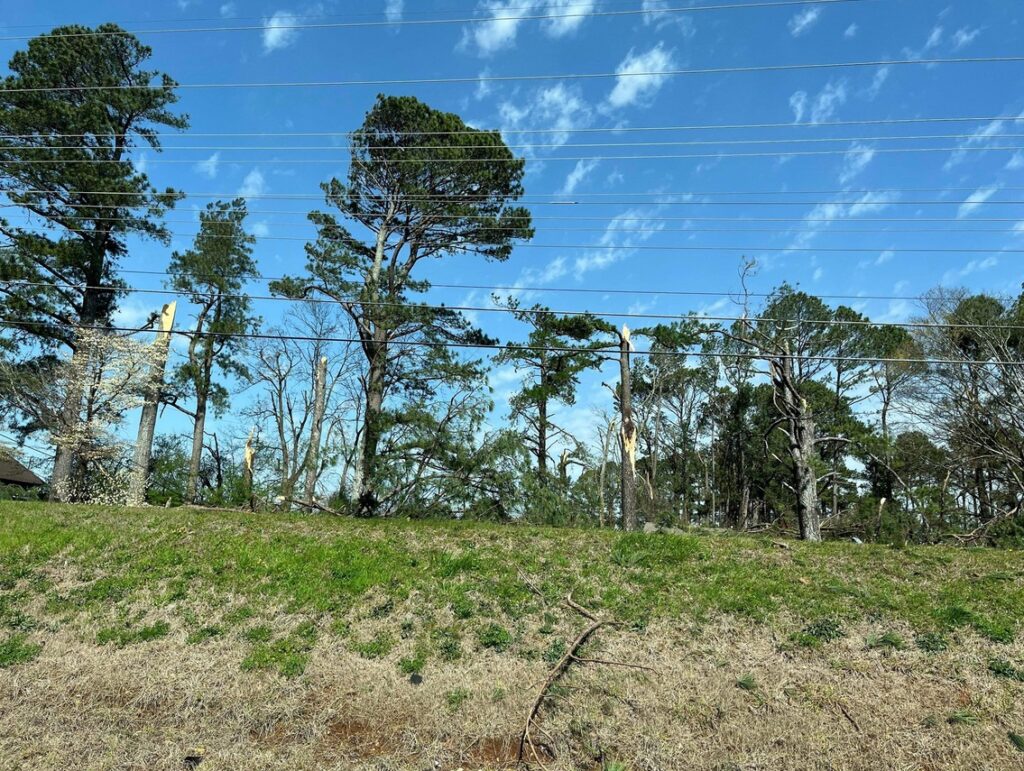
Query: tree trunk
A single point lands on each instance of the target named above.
(800, 434)
(316, 429)
(542, 431)
(368, 501)
(139, 481)
(629, 436)
(198, 434)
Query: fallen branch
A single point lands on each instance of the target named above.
(525, 739)
(312, 505)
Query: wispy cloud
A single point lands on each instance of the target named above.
(228, 10)
(254, 184)
(964, 36)
(971, 266)
(506, 16)
(855, 161)
(851, 31)
(393, 9)
(877, 81)
(980, 137)
(823, 106)
(1016, 162)
(975, 200)
(557, 107)
(579, 173)
(572, 14)
(624, 232)
(803, 20)
(657, 14)
(279, 31)
(822, 215)
(209, 167)
(638, 79)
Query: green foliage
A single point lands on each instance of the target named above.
(495, 636)
(449, 643)
(1016, 740)
(374, 648)
(555, 651)
(1003, 668)
(16, 650)
(203, 634)
(288, 655)
(817, 632)
(887, 641)
(746, 683)
(931, 642)
(963, 717)
(457, 698)
(120, 636)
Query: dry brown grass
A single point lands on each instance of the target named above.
(151, 706)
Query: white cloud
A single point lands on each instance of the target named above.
(1018, 229)
(818, 273)
(500, 33)
(133, 312)
(798, 104)
(975, 200)
(963, 37)
(260, 229)
(141, 163)
(851, 31)
(253, 185)
(822, 107)
(657, 13)
(980, 137)
(885, 256)
(829, 99)
(877, 81)
(934, 39)
(972, 266)
(824, 214)
(803, 20)
(622, 234)
(209, 167)
(278, 31)
(1016, 163)
(228, 10)
(572, 15)
(638, 80)
(579, 173)
(855, 161)
(393, 9)
(556, 107)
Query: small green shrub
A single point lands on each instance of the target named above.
(1003, 668)
(817, 632)
(122, 636)
(411, 665)
(963, 717)
(288, 655)
(449, 645)
(1016, 740)
(554, 652)
(746, 683)
(496, 637)
(886, 641)
(15, 650)
(374, 648)
(204, 634)
(931, 642)
(457, 698)
(258, 634)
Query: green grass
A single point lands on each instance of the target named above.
(15, 650)
(467, 583)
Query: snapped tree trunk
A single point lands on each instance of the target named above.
(139, 482)
(368, 499)
(800, 436)
(629, 435)
(316, 429)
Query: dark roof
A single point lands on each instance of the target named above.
(12, 472)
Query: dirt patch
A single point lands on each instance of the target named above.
(362, 738)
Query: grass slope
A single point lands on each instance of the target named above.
(153, 638)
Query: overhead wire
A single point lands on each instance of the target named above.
(576, 130)
(696, 316)
(549, 348)
(285, 25)
(483, 78)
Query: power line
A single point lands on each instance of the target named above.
(560, 198)
(533, 78)
(581, 130)
(542, 311)
(561, 228)
(424, 22)
(552, 349)
(546, 159)
(672, 248)
(561, 145)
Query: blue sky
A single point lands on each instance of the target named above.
(663, 197)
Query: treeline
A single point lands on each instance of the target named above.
(367, 399)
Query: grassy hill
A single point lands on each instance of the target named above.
(169, 639)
